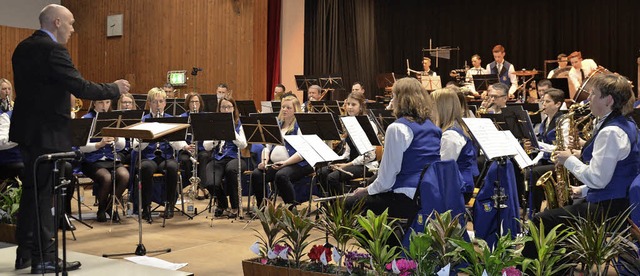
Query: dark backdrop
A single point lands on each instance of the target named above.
(361, 38)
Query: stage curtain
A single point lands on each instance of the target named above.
(273, 46)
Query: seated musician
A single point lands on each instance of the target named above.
(193, 104)
(455, 143)
(282, 164)
(126, 102)
(580, 69)
(158, 158)
(411, 142)
(608, 162)
(562, 63)
(98, 164)
(551, 103)
(278, 92)
(10, 158)
(504, 69)
(222, 91)
(497, 96)
(333, 177)
(313, 94)
(224, 164)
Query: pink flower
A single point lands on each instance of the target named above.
(511, 271)
(404, 266)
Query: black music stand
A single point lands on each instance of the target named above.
(140, 100)
(81, 130)
(212, 126)
(141, 131)
(383, 118)
(532, 108)
(517, 120)
(365, 124)
(562, 84)
(331, 83)
(180, 135)
(304, 82)
(210, 102)
(376, 105)
(175, 106)
(321, 124)
(482, 81)
(246, 107)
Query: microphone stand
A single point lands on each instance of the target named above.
(60, 192)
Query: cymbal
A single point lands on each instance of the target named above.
(526, 73)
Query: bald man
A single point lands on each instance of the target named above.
(44, 79)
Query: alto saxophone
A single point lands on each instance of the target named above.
(557, 190)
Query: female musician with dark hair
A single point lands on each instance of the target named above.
(411, 142)
(455, 143)
(224, 163)
(193, 104)
(98, 164)
(282, 164)
(332, 177)
(608, 162)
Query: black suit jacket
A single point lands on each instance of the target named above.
(44, 77)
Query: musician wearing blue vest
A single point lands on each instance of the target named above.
(193, 104)
(224, 164)
(455, 143)
(10, 159)
(313, 94)
(98, 164)
(504, 69)
(411, 143)
(159, 158)
(282, 164)
(608, 162)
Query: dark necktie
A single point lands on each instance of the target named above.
(582, 74)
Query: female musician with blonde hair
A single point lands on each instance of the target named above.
(411, 142)
(286, 164)
(331, 179)
(10, 159)
(126, 102)
(455, 143)
(224, 163)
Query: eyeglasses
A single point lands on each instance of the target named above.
(226, 107)
(126, 102)
(496, 96)
(196, 101)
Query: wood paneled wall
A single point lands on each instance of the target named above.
(9, 39)
(227, 38)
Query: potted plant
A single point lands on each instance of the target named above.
(337, 222)
(549, 255)
(9, 204)
(505, 255)
(296, 229)
(268, 247)
(372, 234)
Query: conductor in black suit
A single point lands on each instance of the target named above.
(44, 77)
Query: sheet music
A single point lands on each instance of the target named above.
(522, 158)
(312, 149)
(265, 107)
(357, 134)
(154, 127)
(490, 139)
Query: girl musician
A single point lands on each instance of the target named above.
(455, 143)
(159, 157)
(98, 164)
(224, 163)
(193, 104)
(551, 103)
(282, 164)
(411, 142)
(126, 102)
(332, 177)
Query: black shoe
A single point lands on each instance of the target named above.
(168, 213)
(146, 215)
(101, 216)
(50, 267)
(22, 263)
(218, 212)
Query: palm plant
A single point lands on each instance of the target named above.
(337, 221)
(506, 253)
(270, 216)
(546, 264)
(296, 228)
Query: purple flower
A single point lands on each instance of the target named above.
(353, 258)
(511, 271)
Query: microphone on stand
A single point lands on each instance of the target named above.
(71, 155)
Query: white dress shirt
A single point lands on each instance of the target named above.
(240, 141)
(396, 141)
(5, 122)
(588, 66)
(451, 145)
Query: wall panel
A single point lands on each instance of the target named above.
(227, 38)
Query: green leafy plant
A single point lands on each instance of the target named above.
(337, 222)
(10, 203)
(598, 240)
(372, 235)
(270, 216)
(546, 264)
(296, 228)
(434, 248)
(506, 253)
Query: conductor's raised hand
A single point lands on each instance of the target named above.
(123, 86)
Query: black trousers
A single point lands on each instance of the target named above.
(10, 170)
(187, 166)
(159, 165)
(226, 168)
(28, 232)
(332, 182)
(399, 205)
(283, 180)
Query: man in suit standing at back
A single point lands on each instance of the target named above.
(44, 77)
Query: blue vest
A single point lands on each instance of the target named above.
(503, 75)
(626, 170)
(229, 149)
(424, 149)
(550, 135)
(11, 155)
(467, 162)
(291, 150)
(104, 152)
(165, 147)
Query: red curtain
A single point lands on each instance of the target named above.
(273, 46)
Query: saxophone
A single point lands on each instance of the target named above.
(557, 190)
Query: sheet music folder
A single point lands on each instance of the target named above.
(312, 148)
(144, 130)
(358, 135)
(495, 143)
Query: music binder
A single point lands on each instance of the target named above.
(496, 144)
(312, 148)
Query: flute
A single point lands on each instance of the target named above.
(323, 199)
(341, 170)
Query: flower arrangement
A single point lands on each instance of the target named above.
(356, 262)
(402, 267)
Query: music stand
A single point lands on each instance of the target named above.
(481, 82)
(325, 106)
(246, 107)
(81, 130)
(141, 131)
(431, 83)
(212, 126)
(517, 120)
(331, 83)
(532, 108)
(270, 106)
(140, 100)
(175, 106)
(304, 82)
(383, 118)
(321, 124)
(562, 84)
(363, 137)
(210, 102)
